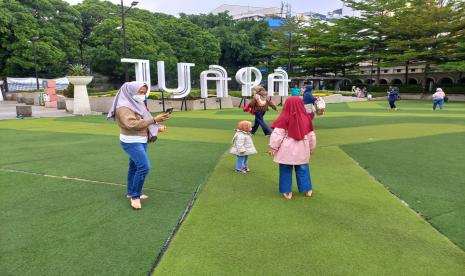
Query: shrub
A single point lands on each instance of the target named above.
(69, 91)
(78, 70)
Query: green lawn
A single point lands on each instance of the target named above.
(426, 172)
(352, 226)
(57, 226)
(62, 187)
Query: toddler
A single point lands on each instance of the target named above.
(242, 146)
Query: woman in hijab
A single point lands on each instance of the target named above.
(260, 102)
(291, 144)
(309, 101)
(138, 127)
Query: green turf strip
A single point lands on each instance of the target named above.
(352, 226)
(64, 227)
(426, 172)
(102, 158)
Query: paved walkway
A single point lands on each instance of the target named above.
(8, 111)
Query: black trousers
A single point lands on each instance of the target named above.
(392, 104)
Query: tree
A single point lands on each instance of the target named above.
(333, 47)
(240, 41)
(105, 49)
(55, 26)
(93, 12)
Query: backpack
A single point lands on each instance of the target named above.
(320, 106)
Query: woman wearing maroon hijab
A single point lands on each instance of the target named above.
(291, 144)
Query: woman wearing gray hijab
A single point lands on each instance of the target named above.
(138, 127)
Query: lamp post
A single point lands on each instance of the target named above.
(371, 70)
(33, 42)
(123, 27)
(289, 53)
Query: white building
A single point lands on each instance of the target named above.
(239, 12)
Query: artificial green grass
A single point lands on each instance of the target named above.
(426, 172)
(239, 225)
(57, 226)
(352, 226)
(64, 227)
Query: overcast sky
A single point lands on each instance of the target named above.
(175, 7)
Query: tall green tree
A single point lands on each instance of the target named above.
(105, 50)
(55, 27)
(240, 41)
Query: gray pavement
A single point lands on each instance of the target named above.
(8, 111)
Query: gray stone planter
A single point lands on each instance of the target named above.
(69, 102)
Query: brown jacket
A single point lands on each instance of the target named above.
(262, 108)
(131, 123)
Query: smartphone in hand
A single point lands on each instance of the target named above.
(169, 110)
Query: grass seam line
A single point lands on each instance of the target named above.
(81, 180)
(183, 217)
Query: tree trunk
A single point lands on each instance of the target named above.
(425, 78)
(406, 72)
(378, 68)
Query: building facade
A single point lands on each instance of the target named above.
(368, 74)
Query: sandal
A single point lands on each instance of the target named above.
(135, 204)
(287, 195)
(309, 193)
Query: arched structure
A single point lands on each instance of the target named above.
(446, 80)
(396, 81)
(383, 81)
(412, 81)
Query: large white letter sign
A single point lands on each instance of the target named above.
(184, 79)
(279, 76)
(244, 77)
(142, 70)
(221, 78)
(1, 95)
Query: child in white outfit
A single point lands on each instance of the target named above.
(242, 146)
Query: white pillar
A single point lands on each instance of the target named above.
(81, 98)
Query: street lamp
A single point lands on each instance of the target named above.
(123, 26)
(33, 41)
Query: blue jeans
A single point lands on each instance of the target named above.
(139, 166)
(242, 162)
(259, 121)
(440, 102)
(302, 173)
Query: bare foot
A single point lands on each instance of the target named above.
(288, 195)
(309, 193)
(141, 196)
(135, 203)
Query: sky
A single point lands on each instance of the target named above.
(175, 7)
